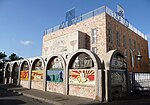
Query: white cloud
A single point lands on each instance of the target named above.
(26, 42)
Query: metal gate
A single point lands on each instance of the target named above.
(140, 81)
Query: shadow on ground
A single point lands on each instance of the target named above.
(11, 102)
(4, 100)
(133, 99)
(4, 93)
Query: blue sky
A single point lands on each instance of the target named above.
(22, 22)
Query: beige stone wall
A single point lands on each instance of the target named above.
(98, 22)
(24, 83)
(55, 87)
(37, 85)
(116, 26)
(82, 91)
(64, 44)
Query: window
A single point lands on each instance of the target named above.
(130, 43)
(94, 49)
(134, 44)
(139, 48)
(135, 61)
(110, 35)
(124, 41)
(94, 34)
(118, 39)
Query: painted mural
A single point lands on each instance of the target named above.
(37, 75)
(38, 65)
(56, 64)
(37, 71)
(54, 75)
(82, 77)
(24, 75)
(55, 71)
(83, 61)
(119, 79)
(118, 62)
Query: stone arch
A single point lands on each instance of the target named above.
(15, 72)
(97, 77)
(57, 84)
(7, 72)
(53, 57)
(109, 56)
(25, 60)
(37, 73)
(115, 67)
(24, 73)
(34, 61)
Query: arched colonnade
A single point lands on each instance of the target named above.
(82, 74)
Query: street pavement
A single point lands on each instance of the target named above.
(49, 97)
(11, 98)
(60, 99)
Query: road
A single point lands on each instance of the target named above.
(10, 98)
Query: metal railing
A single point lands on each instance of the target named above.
(141, 81)
(76, 20)
(92, 14)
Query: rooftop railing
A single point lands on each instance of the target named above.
(92, 14)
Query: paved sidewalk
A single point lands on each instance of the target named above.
(50, 97)
(60, 99)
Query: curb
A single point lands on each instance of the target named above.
(34, 97)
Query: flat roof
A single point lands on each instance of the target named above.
(93, 13)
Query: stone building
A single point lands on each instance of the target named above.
(99, 31)
(88, 56)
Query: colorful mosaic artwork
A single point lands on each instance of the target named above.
(37, 75)
(24, 75)
(54, 75)
(82, 76)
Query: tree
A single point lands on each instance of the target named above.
(2, 56)
(14, 57)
